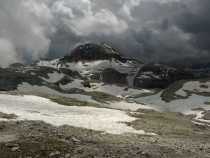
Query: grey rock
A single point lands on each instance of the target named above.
(15, 148)
(57, 153)
(52, 154)
(12, 145)
(67, 155)
(75, 139)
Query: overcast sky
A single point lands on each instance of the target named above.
(147, 30)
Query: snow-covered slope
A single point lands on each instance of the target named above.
(90, 60)
(121, 103)
(37, 108)
(106, 88)
(194, 86)
(89, 68)
(187, 97)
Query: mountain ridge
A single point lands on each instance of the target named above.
(104, 63)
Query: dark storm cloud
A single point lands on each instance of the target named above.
(195, 20)
(147, 30)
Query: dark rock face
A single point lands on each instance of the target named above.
(43, 71)
(200, 71)
(71, 73)
(16, 65)
(112, 76)
(64, 81)
(159, 76)
(95, 76)
(9, 80)
(86, 84)
(94, 52)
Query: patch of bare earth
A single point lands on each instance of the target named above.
(7, 116)
(204, 86)
(206, 115)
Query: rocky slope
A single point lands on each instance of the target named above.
(201, 70)
(158, 75)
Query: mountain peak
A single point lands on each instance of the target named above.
(92, 51)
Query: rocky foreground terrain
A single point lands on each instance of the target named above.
(96, 103)
(177, 136)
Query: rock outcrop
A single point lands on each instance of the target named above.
(200, 71)
(9, 80)
(159, 76)
(112, 76)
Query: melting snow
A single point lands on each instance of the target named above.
(101, 87)
(180, 105)
(25, 87)
(54, 77)
(193, 86)
(37, 108)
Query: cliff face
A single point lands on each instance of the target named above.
(111, 76)
(159, 76)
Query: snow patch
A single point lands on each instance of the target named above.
(98, 119)
(101, 87)
(184, 106)
(54, 77)
(193, 86)
(25, 87)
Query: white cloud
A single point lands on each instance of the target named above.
(60, 9)
(101, 23)
(128, 5)
(41, 10)
(23, 30)
(7, 53)
(83, 6)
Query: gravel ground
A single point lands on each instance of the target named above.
(177, 137)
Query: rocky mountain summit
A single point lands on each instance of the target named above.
(90, 52)
(94, 62)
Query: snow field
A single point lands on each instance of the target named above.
(184, 106)
(25, 87)
(53, 77)
(193, 86)
(37, 108)
(101, 87)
